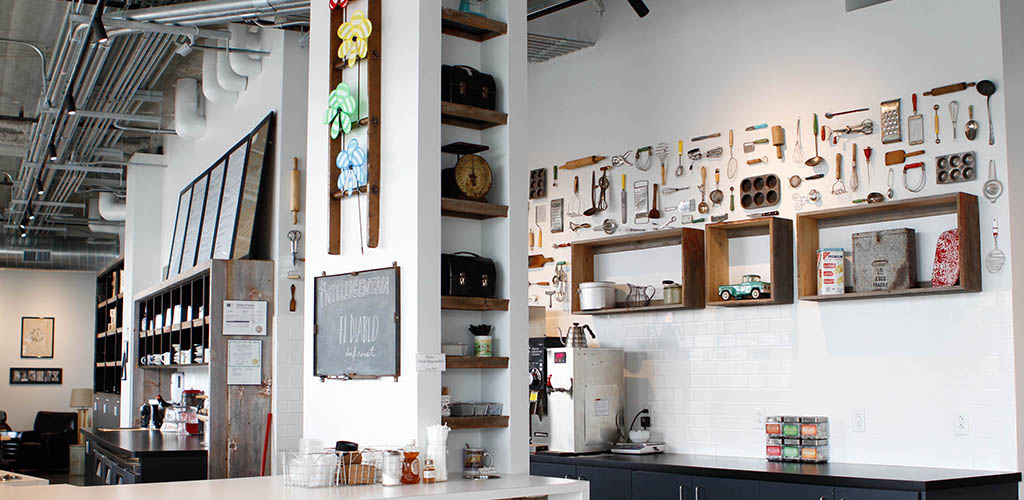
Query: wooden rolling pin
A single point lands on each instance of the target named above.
(949, 89)
(296, 190)
(778, 139)
(582, 162)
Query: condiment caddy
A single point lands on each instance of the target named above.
(796, 439)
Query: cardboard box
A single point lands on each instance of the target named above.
(831, 271)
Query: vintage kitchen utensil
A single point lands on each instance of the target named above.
(832, 115)
(854, 181)
(540, 215)
(609, 226)
(538, 183)
(717, 196)
(554, 176)
(917, 187)
(561, 281)
(556, 246)
(800, 201)
(705, 137)
(755, 161)
(938, 140)
(891, 128)
(748, 147)
(949, 89)
(576, 335)
(684, 206)
(291, 303)
(551, 295)
(576, 227)
(593, 202)
(795, 180)
(732, 198)
(898, 156)
(661, 152)
(538, 261)
(778, 140)
(604, 183)
(640, 202)
(971, 128)
(954, 111)
(622, 159)
(814, 177)
(664, 225)
(915, 125)
(557, 217)
(889, 182)
(719, 218)
(679, 168)
(643, 164)
(993, 188)
(639, 295)
(958, 167)
(839, 187)
(987, 88)
(733, 164)
(703, 206)
(654, 213)
(865, 127)
(816, 159)
(670, 190)
(756, 127)
(996, 258)
(575, 204)
(760, 191)
(871, 198)
(867, 162)
(622, 196)
(714, 153)
(586, 161)
(798, 148)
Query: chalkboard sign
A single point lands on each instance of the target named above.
(356, 325)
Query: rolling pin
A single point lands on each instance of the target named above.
(778, 139)
(949, 89)
(296, 179)
(582, 162)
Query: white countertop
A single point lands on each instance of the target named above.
(273, 488)
(22, 480)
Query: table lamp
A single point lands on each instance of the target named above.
(82, 400)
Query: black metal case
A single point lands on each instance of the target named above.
(466, 274)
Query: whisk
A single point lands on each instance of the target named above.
(798, 148)
(812, 198)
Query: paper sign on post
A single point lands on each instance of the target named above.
(245, 317)
(245, 362)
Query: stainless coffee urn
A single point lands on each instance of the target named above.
(586, 394)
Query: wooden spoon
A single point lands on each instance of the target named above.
(654, 213)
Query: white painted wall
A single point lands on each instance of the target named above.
(65, 296)
(694, 67)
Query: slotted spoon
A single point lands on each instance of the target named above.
(996, 258)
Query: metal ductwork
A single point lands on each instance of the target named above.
(210, 12)
(211, 87)
(188, 122)
(57, 253)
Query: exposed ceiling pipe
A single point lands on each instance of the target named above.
(95, 225)
(211, 87)
(227, 77)
(57, 252)
(242, 63)
(187, 120)
(112, 209)
(216, 11)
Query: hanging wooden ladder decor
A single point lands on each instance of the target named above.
(372, 121)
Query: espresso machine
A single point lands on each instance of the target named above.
(540, 426)
(585, 389)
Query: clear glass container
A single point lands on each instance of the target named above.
(814, 451)
(814, 427)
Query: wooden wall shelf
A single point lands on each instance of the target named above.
(780, 260)
(471, 117)
(470, 26)
(457, 423)
(963, 205)
(107, 344)
(475, 362)
(473, 303)
(468, 209)
(691, 242)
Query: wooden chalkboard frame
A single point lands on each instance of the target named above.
(398, 326)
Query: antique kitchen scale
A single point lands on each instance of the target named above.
(470, 178)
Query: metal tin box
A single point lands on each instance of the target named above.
(884, 260)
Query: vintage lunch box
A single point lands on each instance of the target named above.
(466, 274)
(884, 260)
(466, 85)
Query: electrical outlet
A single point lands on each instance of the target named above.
(759, 417)
(960, 427)
(858, 420)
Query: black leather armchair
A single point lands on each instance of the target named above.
(45, 447)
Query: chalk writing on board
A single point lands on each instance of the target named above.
(356, 288)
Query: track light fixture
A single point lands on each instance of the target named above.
(22, 226)
(52, 151)
(640, 7)
(30, 214)
(72, 110)
(99, 32)
(24, 234)
(39, 187)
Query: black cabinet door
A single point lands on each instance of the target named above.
(552, 470)
(662, 486)
(784, 491)
(606, 483)
(715, 488)
(870, 494)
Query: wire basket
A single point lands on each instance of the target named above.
(328, 468)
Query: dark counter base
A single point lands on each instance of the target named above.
(128, 457)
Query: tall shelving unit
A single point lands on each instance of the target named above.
(107, 353)
(495, 229)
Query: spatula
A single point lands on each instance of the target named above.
(899, 156)
(915, 125)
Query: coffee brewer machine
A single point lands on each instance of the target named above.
(540, 425)
(585, 398)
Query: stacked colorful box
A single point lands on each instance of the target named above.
(797, 439)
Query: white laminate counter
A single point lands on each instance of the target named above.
(273, 488)
(22, 479)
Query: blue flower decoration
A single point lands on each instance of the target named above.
(352, 162)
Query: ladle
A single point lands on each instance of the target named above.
(813, 162)
(987, 88)
(593, 205)
(971, 128)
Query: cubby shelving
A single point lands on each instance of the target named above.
(107, 371)
(780, 258)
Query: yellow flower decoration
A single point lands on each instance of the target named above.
(353, 35)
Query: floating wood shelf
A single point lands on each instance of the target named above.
(173, 367)
(468, 209)
(690, 241)
(463, 148)
(475, 362)
(471, 117)
(963, 205)
(470, 26)
(473, 303)
(457, 423)
(780, 259)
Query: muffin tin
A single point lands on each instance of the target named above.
(760, 191)
(538, 183)
(959, 167)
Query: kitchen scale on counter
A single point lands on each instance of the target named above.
(640, 440)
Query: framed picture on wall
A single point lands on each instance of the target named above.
(37, 338)
(53, 376)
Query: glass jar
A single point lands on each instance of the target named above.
(814, 427)
(814, 451)
(672, 292)
(773, 450)
(791, 450)
(429, 472)
(791, 427)
(392, 465)
(773, 427)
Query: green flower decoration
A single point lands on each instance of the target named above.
(341, 108)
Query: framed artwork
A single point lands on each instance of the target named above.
(52, 376)
(37, 338)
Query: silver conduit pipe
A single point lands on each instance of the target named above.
(216, 11)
